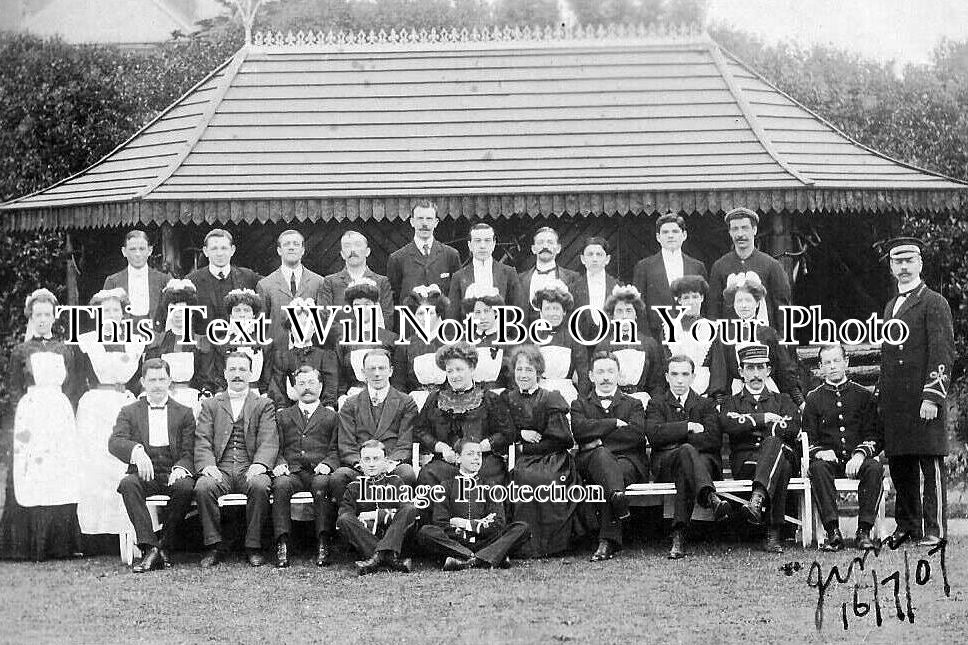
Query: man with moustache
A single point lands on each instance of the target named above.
(306, 461)
(291, 280)
(236, 443)
(762, 428)
(156, 435)
(913, 392)
(142, 283)
(546, 248)
(424, 261)
(687, 443)
(609, 428)
(354, 249)
(214, 281)
(486, 271)
(654, 275)
(745, 257)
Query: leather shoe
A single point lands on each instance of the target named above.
(282, 553)
(370, 565)
(153, 560)
(322, 552)
(620, 506)
(505, 563)
(605, 551)
(211, 558)
(255, 557)
(930, 541)
(677, 551)
(753, 509)
(772, 543)
(454, 564)
(164, 557)
(834, 541)
(403, 565)
(897, 538)
(719, 506)
(863, 541)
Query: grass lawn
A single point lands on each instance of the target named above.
(724, 592)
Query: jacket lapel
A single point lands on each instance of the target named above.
(174, 441)
(910, 301)
(390, 405)
(223, 430)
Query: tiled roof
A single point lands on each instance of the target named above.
(494, 124)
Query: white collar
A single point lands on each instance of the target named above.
(671, 254)
(422, 243)
(550, 266)
(591, 277)
(907, 292)
(215, 271)
(138, 272)
(486, 263)
(152, 405)
(838, 383)
(606, 396)
(286, 271)
(309, 407)
(237, 396)
(379, 395)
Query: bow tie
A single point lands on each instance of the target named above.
(528, 394)
(157, 407)
(545, 271)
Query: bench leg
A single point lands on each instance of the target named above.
(806, 516)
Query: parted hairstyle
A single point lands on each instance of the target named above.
(362, 289)
(461, 351)
(624, 295)
(244, 297)
(670, 218)
(247, 357)
(374, 443)
(682, 358)
(155, 364)
(530, 353)
(554, 293)
(603, 355)
(435, 299)
(749, 282)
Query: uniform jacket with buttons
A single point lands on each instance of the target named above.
(743, 418)
(842, 418)
(919, 369)
(390, 498)
(304, 444)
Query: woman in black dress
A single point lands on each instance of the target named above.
(40, 513)
(544, 439)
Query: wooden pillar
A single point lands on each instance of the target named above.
(70, 270)
(170, 250)
(781, 240)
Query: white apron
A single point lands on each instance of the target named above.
(488, 368)
(182, 365)
(631, 365)
(427, 373)
(697, 350)
(557, 365)
(45, 438)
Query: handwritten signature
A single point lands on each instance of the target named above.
(857, 570)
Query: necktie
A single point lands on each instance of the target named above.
(292, 283)
(305, 414)
(374, 401)
(425, 249)
(220, 275)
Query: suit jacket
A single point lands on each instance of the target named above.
(394, 427)
(667, 424)
(304, 444)
(215, 427)
(407, 268)
(919, 369)
(156, 282)
(131, 429)
(590, 421)
(587, 323)
(505, 279)
(335, 284)
(569, 277)
(275, 294)
(204, 281)
(652, 281)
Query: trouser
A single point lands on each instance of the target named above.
(870, 476)
(133, 492)
(493, 471)
(340, 479)
(692, 472)
(913, 508)
(612, 473)
(285, 486)
(492, 550)
(391, 539)
(208, 490)
(770, 467)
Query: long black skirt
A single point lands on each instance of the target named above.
(37, 532)
(553, 524)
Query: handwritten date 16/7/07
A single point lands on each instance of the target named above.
(896, 586)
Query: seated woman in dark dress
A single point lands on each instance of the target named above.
(642, 361)
(746, 291)
(40, 512)
(462, 409)
(565, 359)
(418, 374)
(544, 439)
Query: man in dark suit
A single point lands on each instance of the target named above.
(424, 261)
(915, 377)
(156, 435)
(686, 442)
(594, 286)
(354, 249)
(469, 528)
(546, 248)
(653, 276)
(762, 428)
(290, 280)
(236, 443)
(306, 461)
(375, 515)
(379, 412)
(609, 428)
(142, 283)
(213, 282)
(485, 270)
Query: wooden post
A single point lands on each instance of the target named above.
(780, 240)
(170, 253)
(70, 270)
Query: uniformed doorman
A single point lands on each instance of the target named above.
(915, 377)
